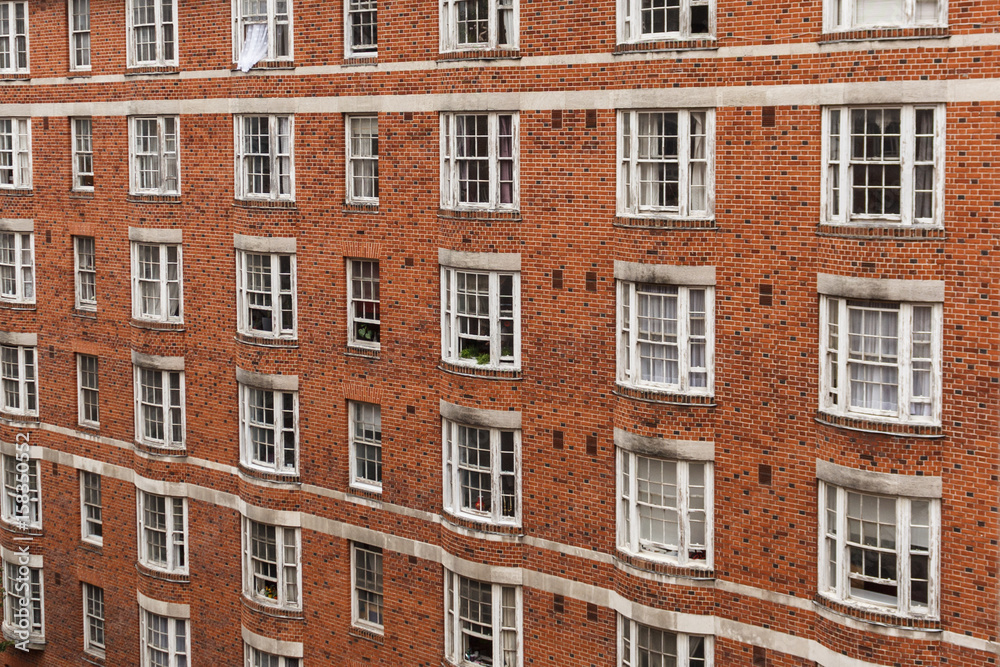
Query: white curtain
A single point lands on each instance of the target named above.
(254, 47)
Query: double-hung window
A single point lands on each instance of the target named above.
(22, 496)
(159, 407)
(265, 294)
(482, 622)
(361, 35)
(257, 658)
(478, 24)
(665, 337)
(154, 157)
(264, 158)
(164, 641)
(268, 428)
(879, 551)
(93, 619)
(83, 154)
(363, 305)
(157, 282)
(886, 364)
(479, 161)
(15, 152)
(87, 402)
(91, 508)
(262, 30)
(366, 445)
(884, 165)
(653, 20)
(85, 272)
(271, 564)
(641, 645)
(17, 267)
(13, 38)
(367, 590)
(480, 317)
(79, 35)
(362, 159)
(24, 598)
(163, 532)
(152, 32)
(840, 15)
(482, 479)
(20, 385)
(665, 508)
(665, 163)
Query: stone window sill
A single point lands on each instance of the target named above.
(870, 614)
(868, 425)
(665, 396)
(881, 230)
(263, 341)
(874, 34)
(160, 575)
(663, 567)
(154, 325)
(480, 371)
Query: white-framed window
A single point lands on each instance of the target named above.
(884, 164)
(22, 584)
(362, 159)
(154, 155)
(164, 640)
(479, 161)
(262, 30)
(17, 267)
(366, 445)
(640, 645)
(159, 407)
(482, 622)
(842, 15)
(83, 153)
(482, 473)
(79, 35)
(93, 619)
(157, 282)
(481, 317)
(15, 152)
(271, 573)
(265, 294)
(87, 402)
(665, 509)
(364, 324)
(91, 508)
(269, 427)
(666, 337)
(264, 168)
(479, 24)
(886, 363)
(20, 385)
(361, 33)
(666, 163)
(257, 658)
(152, 32)
(653, 20)
(13, 37)
(22, 495)
(163, 532)
(367, 589)
(879, 551)
(85, 272)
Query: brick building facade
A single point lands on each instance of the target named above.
(500, 332)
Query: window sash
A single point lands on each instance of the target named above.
(258, 658)
(34, 594)
(480, 161)
(852, 14)
(91, 507)
(17, 267)
(365, 425)
(155, 155)
(15, 152)
(640, 644)
(21, 507)
(363, 303)
(913, 550)
(269, 432)
(463, 26)
(19, 378)
(79, 34)
(361, 34)
(85, 273)
(481, 318)
(88, 403)
(13, 37)
(271, 572)
(266, 294)
(93, 618)
(159, 411)
(367, 590)
(265, 166)
(276, 15)
(83, 153)
(362, 159)
(157, 282)
(649, 20)
(482, 473)
(152, 32)
(482, 616)
(164, 641)
(163, 532)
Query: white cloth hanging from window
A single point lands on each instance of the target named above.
(254, 47)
